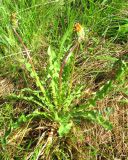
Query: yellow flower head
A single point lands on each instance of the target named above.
(80, 32)
(78, 27)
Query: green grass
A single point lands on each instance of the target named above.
(57, 110)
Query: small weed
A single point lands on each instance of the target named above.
(57, 108)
